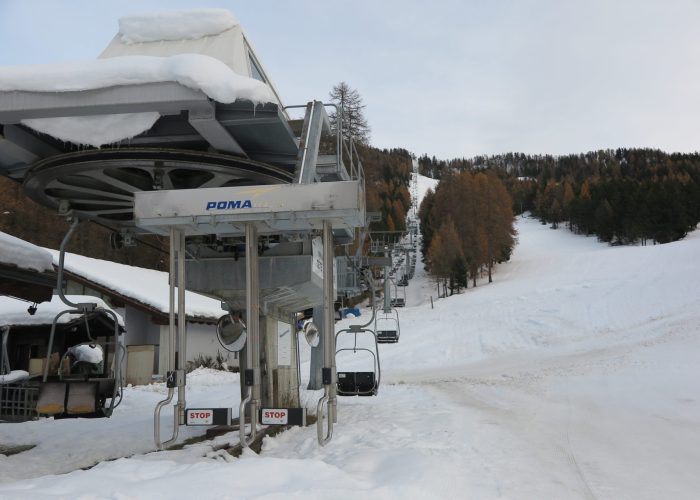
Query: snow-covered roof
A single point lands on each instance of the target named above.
(13, 312)
(203, 49)
(24, 255)
(197, 71)
(211, 32)
(175, 25)
(147, 286)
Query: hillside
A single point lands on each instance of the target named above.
(574, 375)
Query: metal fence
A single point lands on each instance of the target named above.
(18, 402)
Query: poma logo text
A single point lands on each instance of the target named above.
(228, 205)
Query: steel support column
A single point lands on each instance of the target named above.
(329, 369)
(252, 375)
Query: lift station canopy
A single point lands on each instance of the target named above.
(176, 101)
(179, 120)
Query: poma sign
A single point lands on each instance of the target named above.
(229, 204)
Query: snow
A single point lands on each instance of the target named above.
(424, 183)
(24, 255)
(13, 377)
(94, 130)
(13, 312)
(573, 375)
(175, 25)
(147, 286)
(88, 353)
(196, 71)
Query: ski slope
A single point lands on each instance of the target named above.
(574, 375)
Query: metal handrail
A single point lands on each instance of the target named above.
(325, 400)
(354, 167)
(156, 421)
(246, 441)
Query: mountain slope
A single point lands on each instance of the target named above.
(573, 375)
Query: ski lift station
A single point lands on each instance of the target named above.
(177, 130)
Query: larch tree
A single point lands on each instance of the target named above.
(479, 209)
(353, 122)
(445, 253)
(498, 222)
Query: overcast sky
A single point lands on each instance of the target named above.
(446, 78)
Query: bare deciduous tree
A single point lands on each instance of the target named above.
(354, 123)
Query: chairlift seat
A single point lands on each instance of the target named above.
(75, 398)
(387, 336)
(81, 398)
(52, 398)
(357, 384)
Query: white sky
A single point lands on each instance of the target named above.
(446, 78)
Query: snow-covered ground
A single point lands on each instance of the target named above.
(574, 375)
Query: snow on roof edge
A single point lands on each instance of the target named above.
(175, 25)
(13, 312)
(24, 255)
(196, 71)
(144, 286)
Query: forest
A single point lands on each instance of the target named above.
(467, 227)
(387, 177)
(623, 196)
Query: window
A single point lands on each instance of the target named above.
(255, 70)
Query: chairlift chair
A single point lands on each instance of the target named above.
(398, 302)
(386, 324)
(90, 393)
(354, 383)
(81, 395)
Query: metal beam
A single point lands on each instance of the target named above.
(24, 145)
(171, 129)
(273, 158)
(239, 120)
(315, 123)
(242, 113)
(166, 98)
(274, 208)
(204, 121)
